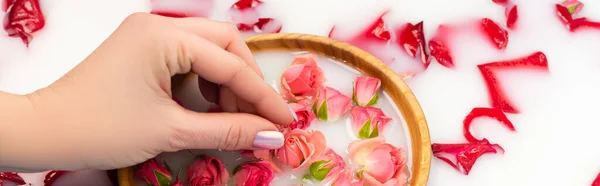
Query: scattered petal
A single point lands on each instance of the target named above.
(438, 46)
(182, 8)
(52, 176)
(511, 17)
(477, 112)
(498, 98)
(596, 181)
(498, 36)
(411, 39)
(500, 2)
(463, 156)
(24, 17)
(12, 177)
(246, 4)
(263, 25)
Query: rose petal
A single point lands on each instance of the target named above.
(359, 150)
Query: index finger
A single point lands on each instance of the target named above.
(216, 65)
(223, 34)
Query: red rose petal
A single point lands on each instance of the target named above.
(564, 14)
(52, 176)
(245, 4)
(500, 2)
(596, 181)
(11, 176)
(418, 32)
(498, 99)
(511, 17)
(465, 154)
(264, 25)
(581, 23)
(378, 30)
(408, 41)
(477, 112)
(438, 47)
(498, 36)
(24, 17)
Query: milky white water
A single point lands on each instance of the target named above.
(556, 142)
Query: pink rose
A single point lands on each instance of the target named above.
(302, 79)
(301, 147)
(381, 163)
(154, 173)
(365, 92)
(327, 166)
(346, 178)
(207, 170)
(368, 122)
(305, 118)
(253, 174)
(331, 104)
(574, 6)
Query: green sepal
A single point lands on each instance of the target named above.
(375, 131)
(162, 179)
(354, 100)
(318, 169)
(373, 100)
(365, 130)
(321, 112)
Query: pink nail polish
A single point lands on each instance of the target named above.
(268, 140)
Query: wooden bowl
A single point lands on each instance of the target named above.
(368, 64)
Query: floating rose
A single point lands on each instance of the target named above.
(253, 174)
(12, 177)
(302, 79)
(305, 118)
(346, 178)
(24, 17)
(207, 170)
(331, 104)
(574, 6)
(154, 173)
(368, 122)
(365, 92)
(327, 166)
(381, 163)
(301, 147)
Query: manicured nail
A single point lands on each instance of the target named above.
(293, 113)
(268, 140)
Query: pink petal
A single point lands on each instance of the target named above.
(379, 163)
(370, 180)
(337, 106)
(365, 89)
(359, 150)
(359, 117)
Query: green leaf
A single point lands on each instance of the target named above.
(162, 179)
(148, 182)
(572, 9)
(322, 111)
(314, 107)
(318, 169)
(375, 131)
(374, 100)
(365, 130)
(354, 100)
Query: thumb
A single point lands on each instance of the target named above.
(227, 131)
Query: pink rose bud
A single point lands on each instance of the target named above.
(154, 173)
(327, 166)
(304, 115)
(253, 174)
(207, 170)
(301, 147)
(346, 178)
(302, 79)
(574, 6)
(177, 183)
(381, 163)
(368, 122)
(331, 105)
(365, 92)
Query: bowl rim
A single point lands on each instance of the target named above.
(348, 54)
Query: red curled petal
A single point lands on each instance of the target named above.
(465, 154)
(24, 17)
(52, 176)
(498, 36)
(511, 17)
(441, 53)
(500, 2)
(261, 26)
(408, 41)
(245, 4)
(11, 176)
(477, 112)
(596, 181)
(564, 14)
(498, 99)
(581, 23)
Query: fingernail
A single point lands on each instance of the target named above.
(268, 140)
(293, 113)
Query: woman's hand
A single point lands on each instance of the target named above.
(115, 108)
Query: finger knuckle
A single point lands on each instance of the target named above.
(233, 138)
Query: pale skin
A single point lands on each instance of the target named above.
(115, 109)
